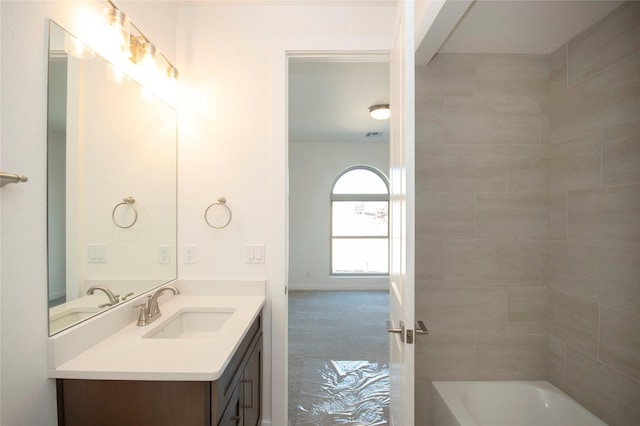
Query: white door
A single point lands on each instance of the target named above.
(401, 343)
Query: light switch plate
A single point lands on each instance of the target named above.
(97, 253)
(255, 253)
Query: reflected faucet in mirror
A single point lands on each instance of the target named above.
(113, 298)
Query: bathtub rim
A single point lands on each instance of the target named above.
(450, 392)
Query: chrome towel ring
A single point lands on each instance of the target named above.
(221, 214)
(129, 201)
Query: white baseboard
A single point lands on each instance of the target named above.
(341, 286)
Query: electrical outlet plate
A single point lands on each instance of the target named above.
(189, 253)
(164, 253)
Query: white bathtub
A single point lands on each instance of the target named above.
(506, 404)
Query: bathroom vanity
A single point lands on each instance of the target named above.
(200, 363)
(233, 399)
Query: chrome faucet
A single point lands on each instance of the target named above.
(113, 298)
(150, 311)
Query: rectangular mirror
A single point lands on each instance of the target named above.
(111, 185)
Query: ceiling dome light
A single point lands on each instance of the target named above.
(380, 111)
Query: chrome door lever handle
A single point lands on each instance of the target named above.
(398, 330)
(421, 330)
(392, 329)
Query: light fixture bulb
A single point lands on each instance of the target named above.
(380, 111)
(118, 34)
(172, 73)
(147, 59)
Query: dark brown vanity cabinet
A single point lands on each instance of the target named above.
(233, 400)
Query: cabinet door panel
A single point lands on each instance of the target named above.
(252, 387)
(232, 416)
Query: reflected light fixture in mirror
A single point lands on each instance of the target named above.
(76, 48)
(380, 111)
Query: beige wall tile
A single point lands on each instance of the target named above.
(488, 120)
(445, 357)
(558, 215)
(528, 167)
(464, 311)
(555, 362)
(607, 217)
(608, 99)
(470, 120)
(621, 154)
(461, 168)
(558, 70)
(423, 403)
(576, 163)
(527, 310)
(511, 357)
(544, 263)
(517, 120)
(545, 123)
(445, 215)
(620, 340)
(447, 75)
(606, 275)
(428, 263)
(512, 215)
(512, 75)
(430, 121)
(619, 32)
(574, 321)
(608, 394)
(491, 263)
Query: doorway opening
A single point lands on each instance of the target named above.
(338, 347)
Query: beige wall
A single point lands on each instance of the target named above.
(528, 199)
(594, 247)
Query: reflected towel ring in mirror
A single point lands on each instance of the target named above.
(220, 214)
(125, 202)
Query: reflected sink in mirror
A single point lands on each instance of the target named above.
(192, 323)
(63, 319)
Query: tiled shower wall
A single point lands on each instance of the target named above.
(527, 217)
(594, 247)
(481, 219)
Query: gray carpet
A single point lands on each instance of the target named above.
(340, 326)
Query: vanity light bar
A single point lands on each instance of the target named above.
(139, 44)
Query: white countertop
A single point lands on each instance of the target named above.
(126, 355)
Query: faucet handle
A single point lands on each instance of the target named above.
(142, 316)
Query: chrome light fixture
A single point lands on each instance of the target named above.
(380, 111)
(136, 47)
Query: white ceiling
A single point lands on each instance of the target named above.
(328, 101)
(524, 26)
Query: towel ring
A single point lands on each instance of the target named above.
(125, 202)
(224, 209)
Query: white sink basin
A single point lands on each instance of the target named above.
(192, 323)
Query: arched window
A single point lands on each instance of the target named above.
(359, 222)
